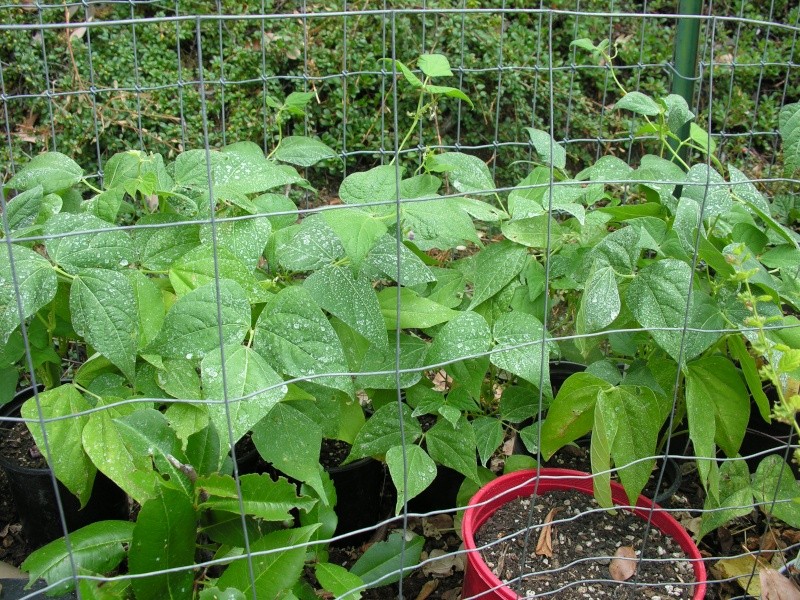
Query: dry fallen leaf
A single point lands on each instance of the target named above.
(623, 565)
(775, 586)
(437, 525)
(427, 589)
(544, 547)
(442, 563)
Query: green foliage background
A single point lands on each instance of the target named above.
(135, 86)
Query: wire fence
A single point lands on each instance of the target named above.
(232, 231)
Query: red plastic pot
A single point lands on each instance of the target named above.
(480, 582)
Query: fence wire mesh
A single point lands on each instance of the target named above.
(233, 230)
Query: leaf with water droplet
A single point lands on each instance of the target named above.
(510, 331)
(358, 231)
(51, 170)
(297, 339)
(36, 285)
(382, 431)
(495, 266)
(454, 446)
(382, 358)
(308, 246)
(466, 335)
(104, 313)
(246, 374)
(382, 261)
(245, 239)
(416, 312)
(192, 324)
(277, 431)
(102, 249)
(350, 298)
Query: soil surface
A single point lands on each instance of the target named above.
(17, 445)
(571, 557)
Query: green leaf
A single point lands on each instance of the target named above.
(276, 571)
(36, 284)
(434, 65)
(309, 245)
(604, 432)
(297, 339)
(657, 298)
(789, 127)
(466, 336)
(203, 449)
(510, 331)
(639, 103)
(678, 113)
(251, 388)
(270, 203)
(198, 267)
(548, 149)
(191, 327)
(358, 231)
(774, 481)
(488, 437)
(157, 248)
(244, 169)
(382, 431)
(634, 413)
(380, 565)
(96, 548)
(709, 189)
(749, 368)
(109, 249)
(453, 446)
(68, 461)
(277, 441)
(467, 173)
(600, 302)
(179, 379)
(214, 593)
(262, 497)
(714, 385)
(51, 170)
(701, 137)
(438, 223)
(164, 538)
(377, 185)
(620, 249)
(571, 414)
(130, 470)
(245, 239)
(382, 258)
(146, 432)
(421, 471)
(103, 306)
(338, 581)
(495, 266)
(302, 151)
(480, 210)
(22, 209)
(382, 358)
(735, 497)
(416, 312)
(539, 232)
(408, 74)
(149, 307)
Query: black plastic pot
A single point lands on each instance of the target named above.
(441, 494)
(35, 498)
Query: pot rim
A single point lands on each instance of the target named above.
(522, 483)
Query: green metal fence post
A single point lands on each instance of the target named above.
(686, 39)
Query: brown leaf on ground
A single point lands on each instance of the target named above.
(427, 589)
(544, 547)
(775, 586)
(623, 565)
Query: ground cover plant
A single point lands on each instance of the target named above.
(202, 305)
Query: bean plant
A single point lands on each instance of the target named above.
(205, 309)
